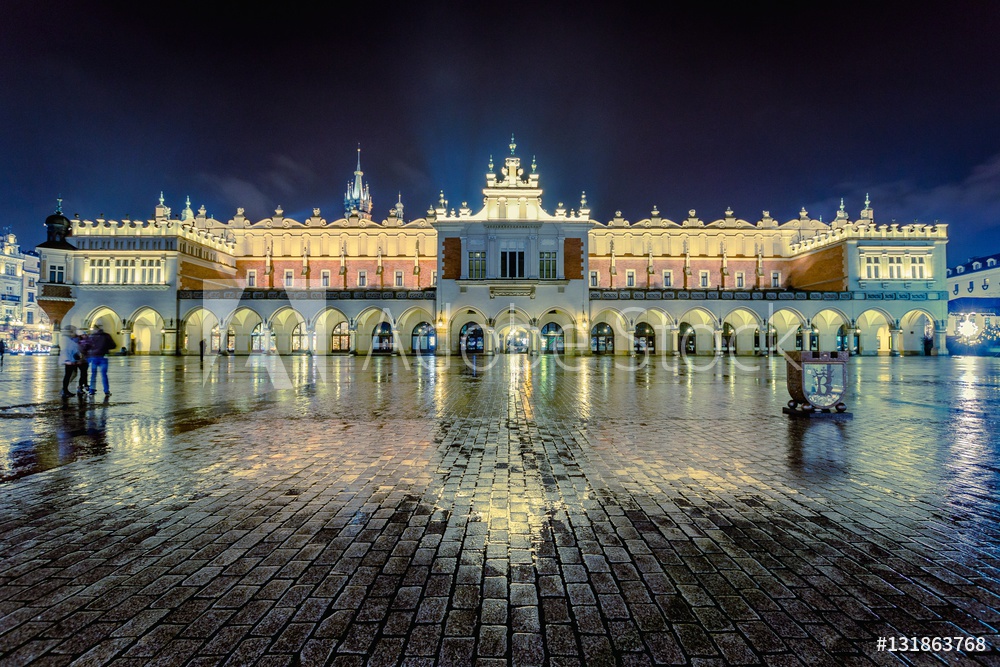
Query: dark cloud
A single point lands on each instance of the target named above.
(754, 106)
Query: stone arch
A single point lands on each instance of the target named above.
(875, 328)
(197, 327)
(834, 330)
(573, 337)
(513, 330)
(365, 325)
(289, 331)
(784, 328)
(459, 318)
(742, 332)
(696, 332)
(916, 332)
(244, 321)
(108, 319)
(147, 332)
(332, 330)
(408, 321)
(621, 330)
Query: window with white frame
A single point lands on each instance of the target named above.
(100, 271)
(547, 265)
(57, 274)
(251, 278)
(895, 267)
(775, 278)
(150, 271)
(703, 279)
(918, 269)
(477, 265)
(362, 279)
(289, 278)
(668, 278)
(324, 278)
(740, 280)
(593, 279)
(630, 278)
(873, 265)
(399, 279)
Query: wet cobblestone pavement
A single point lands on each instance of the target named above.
(338, 511)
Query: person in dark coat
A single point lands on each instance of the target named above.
(98, 345)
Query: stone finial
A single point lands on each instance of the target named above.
(512, 144)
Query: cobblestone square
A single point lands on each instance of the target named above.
(528, 511)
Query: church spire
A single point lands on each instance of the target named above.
(358, 197)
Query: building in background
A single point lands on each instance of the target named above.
(974, 306)
(510, 277)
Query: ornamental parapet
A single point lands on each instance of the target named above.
(860, 230)
(308, 295)
(760, 295)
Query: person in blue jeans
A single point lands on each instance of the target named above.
(99, 344)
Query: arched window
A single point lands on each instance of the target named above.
(728, 339)
(382, 338)
(843, 339)
(259, 341)
(424, 339)
(645, 339)
(340, 338)
(687, 340)
(300, 338)
(470, 338)
(216, 339)
(602, 339)
(553, 340)
(517, 341)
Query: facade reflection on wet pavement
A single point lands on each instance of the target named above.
(529, 511)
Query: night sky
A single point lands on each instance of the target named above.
(752, 107)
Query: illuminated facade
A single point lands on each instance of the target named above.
(974, 306)
(509, 277)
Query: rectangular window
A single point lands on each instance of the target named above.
(872, 264)
(668, 279)
(704, 279)
(775, 279)
(477, 265)
(251, 278)
(10, 270)
(31, 317)
(434, 278)
(289, 278)
(895, 267)
(56, 274)
(31, 297)
(593, 279)
(399, 278)
(547, 265)
(31, 282)
(362, 279)
(740, 280)
(324, 278)
(630, 278)
(917, 264)
(512, 264)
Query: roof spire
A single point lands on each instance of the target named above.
(512, 144)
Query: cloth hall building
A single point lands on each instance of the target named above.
(508, 277)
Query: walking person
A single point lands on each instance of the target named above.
(3, 351)
(69, 357)
(99, 343)
(83, 340)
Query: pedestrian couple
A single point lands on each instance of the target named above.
(78, 352)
